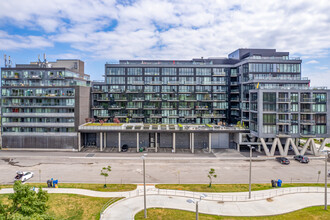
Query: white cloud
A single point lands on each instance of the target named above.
(170, 29)
(13, 42)
(312, 62)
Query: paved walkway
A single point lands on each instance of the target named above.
(282, 200)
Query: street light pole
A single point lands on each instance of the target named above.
(250, 170)
(326, 182)
(144, 186)
(196, 210)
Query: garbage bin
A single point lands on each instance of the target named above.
(273, 183)
(279, 183)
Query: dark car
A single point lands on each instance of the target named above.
(301, 159)
(124, 148)
(283, 160)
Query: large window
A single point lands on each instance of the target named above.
(115, 80)
(269, 118)
(169, 71)
(269, 129)
(274, 67)
(116, 71)
(269, 97)
(319, 108)
(134, 71)
(203, 71)
(151, 71)
(186, 71)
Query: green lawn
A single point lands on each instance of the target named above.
(229, 187)
(96, 187)
(72, 207)
(314, 213)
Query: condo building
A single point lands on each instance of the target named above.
(253, 97)
(43, 103)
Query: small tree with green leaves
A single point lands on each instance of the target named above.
(105, 172)
(25, 203)
(211, 175)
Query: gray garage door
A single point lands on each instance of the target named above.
(220, 140)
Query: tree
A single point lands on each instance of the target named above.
(25, 204)
(105, 172)
(211, 175)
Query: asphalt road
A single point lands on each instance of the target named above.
(84, 167)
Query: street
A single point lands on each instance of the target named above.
(84, 167)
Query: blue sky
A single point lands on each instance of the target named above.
(97, 31)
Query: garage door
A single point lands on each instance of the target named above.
(220, 140)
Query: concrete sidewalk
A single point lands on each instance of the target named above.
(127, 208)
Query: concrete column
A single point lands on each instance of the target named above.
(238, 147)
(101, 141)
(192, 142)
(105, 140)
(119, 142)
(189, 141)
(156, 142)
(174, 142)
(79, 141)
(137, 142)
(210, 143)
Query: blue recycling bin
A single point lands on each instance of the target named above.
(279, 183)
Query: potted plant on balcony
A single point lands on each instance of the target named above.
(16, 75)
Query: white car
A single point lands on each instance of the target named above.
(23, 176)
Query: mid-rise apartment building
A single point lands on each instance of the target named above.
(43, 103)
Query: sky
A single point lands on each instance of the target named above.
(100, 31)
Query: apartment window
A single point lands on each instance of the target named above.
(269, 97)
(134, 71)
(151, 71)
(219, 71)
(320, 97)
(186, 71)
(269, 107)
(169, 71)
(131, 80)
(115, 80)
(294, 107)
(183, 80)
(203, 71)
(319, 108)
(269, 118)
(294, 97)
(320, 129)
(294, 129)
(269, 129)
(320, 119)
(116, 71)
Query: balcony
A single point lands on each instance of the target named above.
(155, 83)
(116, 91)
(218, 82)
(138, 83)
(189, 83)
(233, 83)
(234, 91)
(202, 91)
(185, 91)
(35, 77)
(283, 121)
(120, 115)
(306, 110)
(26, 114)
(155, 115)
(138, 99)
(283, 133)
(169, 91)
(167, 107)
(115, 107)
(38, 124)
(97, 107)
(283, 100)
(134, 91)
(202, 108)
(205, 100)
(308, 100)
(149, 107)
(102, 99)
(213, 115)
(97, 91)
(219, 91)
(173, 83)
(138, 116)
(133, 107)
(234, 99)
(283, 110)
(120, 99)
(172, 100)
(307, 133)
(156, 99)
(185, 108)
(307, 121)
(189, 116)
(173, 116)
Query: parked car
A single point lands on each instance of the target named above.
(301, 159)
(124, 148)
(283, 160)
(23, 176)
